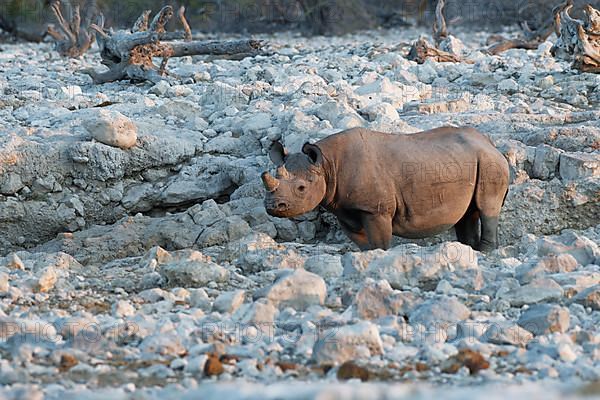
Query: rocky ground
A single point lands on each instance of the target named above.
(149, 271)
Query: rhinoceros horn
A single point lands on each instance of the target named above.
(271, 183)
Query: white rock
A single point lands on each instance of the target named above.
(357, 263)
(453, 45)
(259, 252)
(15, 262)
(167, 344)
(10, 184)
(224, 144)
(566, 352)
(228, 302)
(438, 312)
(334, 111)
(508, 86)
(542, 319)
(257, 122)
(546, 82)
(589, 297)
(123, 308)
(111, 128)
(377, 299)
(261, 315)
(298, 289)
(383, 90)
(340, 344)
(195, 364)
(538, 291)
(546, 162)
(4, 283)
(160, 89)
(574, 166)
(199, 299)
(415, 266)
(46, 280)
(179, 91)
(188, 268)
(584, 250)
(324, 265)
(70, 92)
(426, 72)
(507, 333)
(382, 110)
(178, 364)
(154, 295)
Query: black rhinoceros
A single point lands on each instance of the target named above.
(379, 184)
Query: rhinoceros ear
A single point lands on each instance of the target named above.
(313, 152)
(277, 153)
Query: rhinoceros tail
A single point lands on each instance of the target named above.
(504, 199)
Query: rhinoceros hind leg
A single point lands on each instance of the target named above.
(467, 229)
(489, 234)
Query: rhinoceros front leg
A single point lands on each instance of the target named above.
(379, 230)
(353, 229)
(360, 238)
(467, 229)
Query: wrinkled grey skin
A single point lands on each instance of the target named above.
(380, 184)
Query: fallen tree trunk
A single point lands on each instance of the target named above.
(215, 47)
(513, 44)
(128, 55)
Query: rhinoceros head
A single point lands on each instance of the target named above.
(299, 185)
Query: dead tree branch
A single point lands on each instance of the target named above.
(129, 54)
(439, 24)
(141, 25)
(579, 41)
(531, 39)
(184, 23)
(71, 40)
(422, 50)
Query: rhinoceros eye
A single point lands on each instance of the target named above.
(301, 188)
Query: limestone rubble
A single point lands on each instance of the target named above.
(148, 267)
